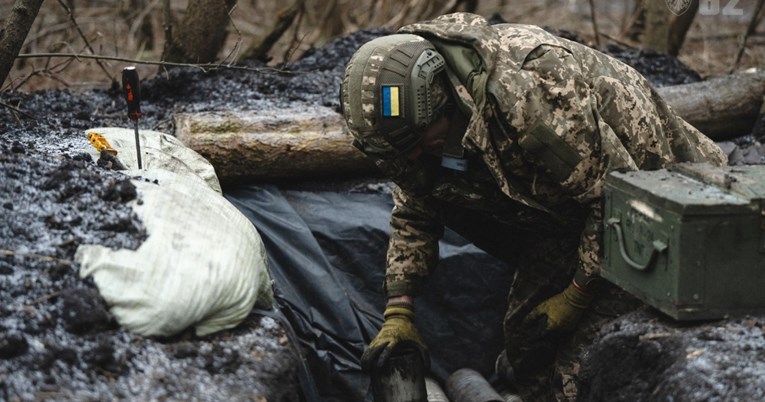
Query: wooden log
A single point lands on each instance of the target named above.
(722, 108)
(311, 142)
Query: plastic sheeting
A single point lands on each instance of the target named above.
(326, 254)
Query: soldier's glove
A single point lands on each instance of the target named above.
(562, 311)
(398, 333)
(533, 344)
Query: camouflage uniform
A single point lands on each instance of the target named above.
(549, 118)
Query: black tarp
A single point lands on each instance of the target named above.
(326, 253)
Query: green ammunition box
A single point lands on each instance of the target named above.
(689, 241)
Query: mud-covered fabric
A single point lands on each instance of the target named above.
(549, 118)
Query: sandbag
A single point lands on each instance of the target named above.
(203, 264)
(158, 151)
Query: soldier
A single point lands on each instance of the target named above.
(504, 133)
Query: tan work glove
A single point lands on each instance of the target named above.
(398, 333)
(533, 345)
(563, 310)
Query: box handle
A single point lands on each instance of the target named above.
(658, 247)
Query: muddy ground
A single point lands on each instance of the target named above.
(59, 342)
(57, 338)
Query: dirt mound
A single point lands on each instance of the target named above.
(57, 339)
(660, 69)
(642, 357)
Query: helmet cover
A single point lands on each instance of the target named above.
(389, 93)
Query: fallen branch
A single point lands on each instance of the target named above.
(618, 41)
(749, 30)
(204, 66)
(722, 108)
(43, 298)
(283, 23)
(234, 50)
(313, 142)
(36, 256)
(17, 110)
(289, 143)
(82, 35)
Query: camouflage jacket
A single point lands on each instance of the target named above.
(549, 118)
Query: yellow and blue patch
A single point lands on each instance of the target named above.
(390, 101)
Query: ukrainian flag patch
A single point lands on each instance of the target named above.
(390, 101)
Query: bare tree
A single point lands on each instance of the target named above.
(259, 50)
(656, 25)
(201, 34)
(679, 26)
(14, 32)
(652, 25)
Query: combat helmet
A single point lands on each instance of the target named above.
(389, 95)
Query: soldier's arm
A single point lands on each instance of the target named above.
(413, 247)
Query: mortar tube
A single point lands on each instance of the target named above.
(468, 385)
(434, 391)
(401, 379)
(510, 397)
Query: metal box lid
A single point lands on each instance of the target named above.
(689, 241)
(679, 193)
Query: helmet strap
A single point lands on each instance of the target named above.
(453, 156)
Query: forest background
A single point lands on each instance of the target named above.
(67, 37)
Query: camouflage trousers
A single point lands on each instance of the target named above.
(542, 253)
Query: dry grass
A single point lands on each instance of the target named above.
(115, 29)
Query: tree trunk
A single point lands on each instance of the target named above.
(651, 21)
(201, 34)
(14, 31)
(722, 108)
(314, 143)
(284, 144)
(679, 26)
(656, 25)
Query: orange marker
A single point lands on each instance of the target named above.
(100, 143)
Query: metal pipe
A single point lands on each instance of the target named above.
(434, 390)
(508, 397)
(402, 379)
(468, 385)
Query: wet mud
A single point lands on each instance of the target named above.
(642, 357)
(58, 340)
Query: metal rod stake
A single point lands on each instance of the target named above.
(138, 145)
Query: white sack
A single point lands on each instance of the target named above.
(203, 264)
(158, 151)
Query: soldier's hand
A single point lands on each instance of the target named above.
(562, 312)
(397, 333)
(532, 345)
